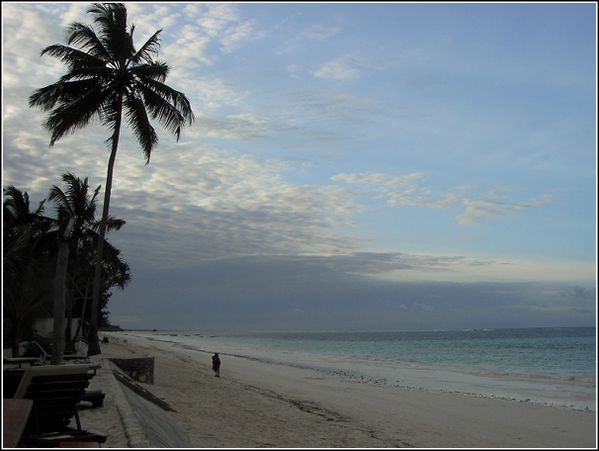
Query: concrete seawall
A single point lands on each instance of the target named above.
(127, 418)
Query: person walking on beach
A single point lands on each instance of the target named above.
(216, 364)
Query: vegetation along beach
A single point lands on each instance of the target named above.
(299, 225)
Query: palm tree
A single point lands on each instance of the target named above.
(76, 216)
(115, 273)
(74, 208)
(107, 79)
(25, 250)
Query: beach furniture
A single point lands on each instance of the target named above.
(56, 391)
(43, 348)
(15, 414)
(20, 360)
(11, 378)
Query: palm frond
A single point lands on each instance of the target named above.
(154, 71)
(95, 74)
(84, 36)
(40, 208)
(170, 107)
(112, 21)
(73, 202)
(68, 117)
(16, 202)
(137, 118)
(105, 73)
(112, 223)
(64, 92)
(74, 58)
(169, 116)
(147, 50)
(61, 199)
(177, 99)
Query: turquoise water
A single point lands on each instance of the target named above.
(536, 351)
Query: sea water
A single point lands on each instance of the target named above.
(553, 366)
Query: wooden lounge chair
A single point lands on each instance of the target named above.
(11, 378)
(15, 414)
(43, 348)
(55, 391)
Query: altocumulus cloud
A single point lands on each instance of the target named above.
(408, 190)
(342, 68)
(478, 210)
(215, 235)
(220, 204)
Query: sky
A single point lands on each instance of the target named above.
(352, 166)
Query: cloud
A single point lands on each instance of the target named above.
(198, 203)
(314, 33)
(314, 293)
(213, 93)
(234, 126)
(194, 204)
(318, 33)
(479, 210)
(382, 263)
(407, 190)
(400, 189)
(342, 68)
(215, 18)
(234, 37)
(222, 22)
(25, 32)
(404, 266)
(378, 178)
(75, 12)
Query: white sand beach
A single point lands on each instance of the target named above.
(254, 404)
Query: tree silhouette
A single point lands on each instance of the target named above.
(108, 79)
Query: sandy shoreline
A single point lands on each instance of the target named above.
(266, 405)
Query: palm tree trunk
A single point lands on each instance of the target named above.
(82, 318)
(93, 341)
(59, 301)
(16, 338)
(69, 346)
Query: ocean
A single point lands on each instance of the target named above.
(552, 366)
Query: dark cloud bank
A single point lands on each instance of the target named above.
(313, 293)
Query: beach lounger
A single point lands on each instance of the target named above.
(11, 378)
(20, 360)
(56, 391)
(43, 349)
(15, 414)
